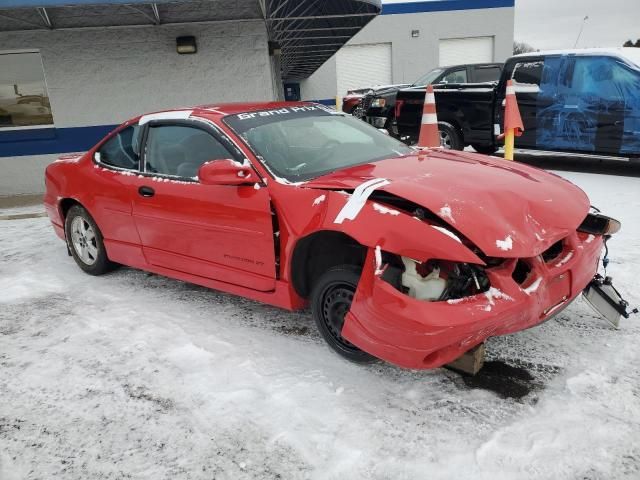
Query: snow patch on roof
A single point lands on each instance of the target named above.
(630, 54)
(506, 244)
(172, 115)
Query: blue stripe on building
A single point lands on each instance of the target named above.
(442, 6)
(42, 141)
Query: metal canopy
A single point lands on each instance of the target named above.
(306, 32)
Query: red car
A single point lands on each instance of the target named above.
(410, 256)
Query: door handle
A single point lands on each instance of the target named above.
(146, 191)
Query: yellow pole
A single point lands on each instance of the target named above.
(509, 141)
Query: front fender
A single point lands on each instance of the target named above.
(376, 225)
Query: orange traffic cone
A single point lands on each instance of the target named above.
(429, 136)
(512, 121)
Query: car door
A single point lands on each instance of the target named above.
(112, 181)
(222, 232)
(526, 76)
(604, 90)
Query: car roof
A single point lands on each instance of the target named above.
(447, 67)
(215, 110)
(629, 53)
(244, 107)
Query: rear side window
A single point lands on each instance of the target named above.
(487, 74)
(180, 151)
(120, 150)
(528, 73)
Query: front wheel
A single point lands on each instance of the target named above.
(85, 242)
(330, 301)
(450, 137)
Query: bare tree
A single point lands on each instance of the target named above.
(522, 47)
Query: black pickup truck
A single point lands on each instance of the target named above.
(378, 106)
(578, 101)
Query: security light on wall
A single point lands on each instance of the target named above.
(186, 45)
(415, 33)
(275, 50)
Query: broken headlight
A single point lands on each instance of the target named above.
(598, 224)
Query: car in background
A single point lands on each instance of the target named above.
(351, 102)
(295, 205)
(584, 101)
(379, 106)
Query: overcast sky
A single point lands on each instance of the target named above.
(556, 23)
(549, 24)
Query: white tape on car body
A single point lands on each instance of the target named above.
(359, 198)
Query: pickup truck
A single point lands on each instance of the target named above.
(576, 101)
(378, 106)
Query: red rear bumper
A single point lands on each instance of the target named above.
(419, 334)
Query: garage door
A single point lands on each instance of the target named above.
(456, 51)
(360, 66)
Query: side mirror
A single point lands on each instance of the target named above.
(224, 172)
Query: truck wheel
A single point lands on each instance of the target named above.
(330, 301)
(450, 136)
(485, 149)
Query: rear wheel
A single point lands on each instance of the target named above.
(450, 136)
(85, 242)
(330, 301)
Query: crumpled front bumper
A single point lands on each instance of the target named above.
(419, 334)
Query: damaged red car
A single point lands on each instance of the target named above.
(413, 257)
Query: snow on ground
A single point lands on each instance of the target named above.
(133, 375)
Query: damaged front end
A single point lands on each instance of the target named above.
(421, 312)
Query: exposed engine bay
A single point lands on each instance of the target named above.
(434, 280)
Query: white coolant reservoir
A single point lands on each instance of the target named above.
(422, 288)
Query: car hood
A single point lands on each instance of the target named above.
(505, 208)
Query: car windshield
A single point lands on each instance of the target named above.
(428, 78)
(302, 142)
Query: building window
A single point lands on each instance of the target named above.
(24, 101)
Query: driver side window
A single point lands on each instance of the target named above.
(120, 150)
(457, 76)
(179, 150)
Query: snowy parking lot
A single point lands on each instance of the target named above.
(132, 375)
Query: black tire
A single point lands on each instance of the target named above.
(450, 136)
(92, 259)
(485, 149)
(330, 301)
